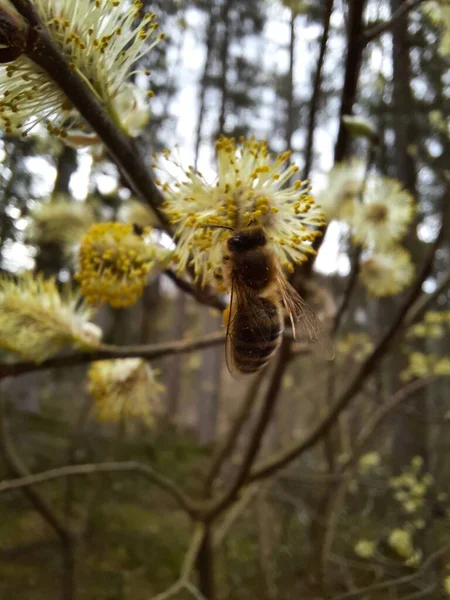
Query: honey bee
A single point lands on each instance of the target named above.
(260, 298)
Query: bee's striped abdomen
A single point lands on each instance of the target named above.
(256, 335)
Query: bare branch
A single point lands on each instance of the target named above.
(202, 296)
(383, 585)
(419, 308)
(368, 367)
(315, 97)
(234, 513)
(217, 506)
(188, 565)
(376, 30)
(26, 480)
(149, 352)
(42, 507)
(18, 469)
(229, 442)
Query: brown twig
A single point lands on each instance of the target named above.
(27, 481)
(375, 31)
(217, 506)
(317, 84)
(18, 469)
(336, 497)
(148, 352)
(368, 367)
(232, 436)
(383, 585)
(187, 568)
(202, 296)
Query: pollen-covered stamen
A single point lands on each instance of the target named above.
(102, 41)
(124, 388)
(387, 273)
(383, 217)
(115, 263)
(37, 319)
(251, 189)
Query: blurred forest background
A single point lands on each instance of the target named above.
(363, 511)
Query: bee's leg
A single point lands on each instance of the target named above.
(218, 274)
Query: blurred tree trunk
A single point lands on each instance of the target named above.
(49, 257)
(209, 43)
(411, 432)
(205, 567)
(174, 363)
(67, 165)
(209, 382)
(224, 55)
(290, 84)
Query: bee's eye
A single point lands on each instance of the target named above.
(235, 244)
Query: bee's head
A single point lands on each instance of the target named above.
(247, 239)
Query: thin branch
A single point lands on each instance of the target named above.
(203, 296)
(353, 63)
(337, 492)
(188, 565)
(26, 480)
(317, 84)
(19, 470)
(217, 506)
(368, 367)
(230, 440)
(149, 352)
(124, 150)
(422, 304)
(376, 30)
(377, 587)
(233, 514)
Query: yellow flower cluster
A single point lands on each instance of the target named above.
(446, 585)
(439, 13)
(410, 487)
(378, 211)
(387, 273)
(115, 262)
(383, 216)
(345, 184)
(401, 541)
(365, 548)
(434, 325)
(124, 388)
(251, 189)
(37, 319)
(426, 365)
(60, 221)
(368, 462)
(356, 345)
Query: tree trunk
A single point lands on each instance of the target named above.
(210, 36)
(353, 62)
(224, 56)
(174, 363)
(209, 384)
(205, 568)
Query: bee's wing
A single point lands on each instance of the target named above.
(229, 337)
(306, 326)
